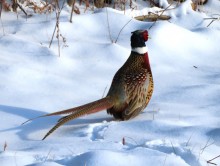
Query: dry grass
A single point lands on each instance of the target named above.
(215, 17)
(5, 146)
(49, 5)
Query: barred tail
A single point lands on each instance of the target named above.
(89, 108)
(68, 111)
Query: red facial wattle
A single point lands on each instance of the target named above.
(145, 35)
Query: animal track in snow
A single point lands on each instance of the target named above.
(97, 131)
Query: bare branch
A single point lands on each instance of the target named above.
(173, 147)
(72, 4)
(5, 146)
(213, 19)
(165, 160)
(160, 15)
(22, 9)
(187, 143)
(207, 145)
(210, 161)
(131, 139)
(56, 28)
(123, 141)
(52, 36)
(121, 30)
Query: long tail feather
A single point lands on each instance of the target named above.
(93, 107)
(68, 111)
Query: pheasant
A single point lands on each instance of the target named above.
(130, 91)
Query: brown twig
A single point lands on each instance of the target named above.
(52, 36)
(46, 6)
(130, 4)
(15, 5)
(87, 4)
(160, 15)
(57, 27)
(5, 146)
(210, 23)
(207, 145)
(72, 10)
(131, 139)
(165, 160)
(123, 141)
(64, 41)
(58, 32)
(121, 30)
(210, 161)
(48, 154)
(167, 9)
(187, 143)
(22, 9)
(213, 19)
(173, 147)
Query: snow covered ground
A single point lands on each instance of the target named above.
(180, 126)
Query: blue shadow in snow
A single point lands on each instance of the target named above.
(23, 131)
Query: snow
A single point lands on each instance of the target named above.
(180, 126)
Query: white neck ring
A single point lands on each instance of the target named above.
(140, 50)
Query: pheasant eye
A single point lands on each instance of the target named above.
(145, 35)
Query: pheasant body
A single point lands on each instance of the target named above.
(130, 91)
(131, 88)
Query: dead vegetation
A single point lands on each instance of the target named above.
(48, 6)
(5, 146)
(28, 7)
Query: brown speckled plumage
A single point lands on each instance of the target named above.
(131, 88)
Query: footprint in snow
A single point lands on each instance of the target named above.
(97, 131)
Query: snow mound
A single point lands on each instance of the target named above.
(131, 158)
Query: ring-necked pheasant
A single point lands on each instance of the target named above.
(130, 91)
